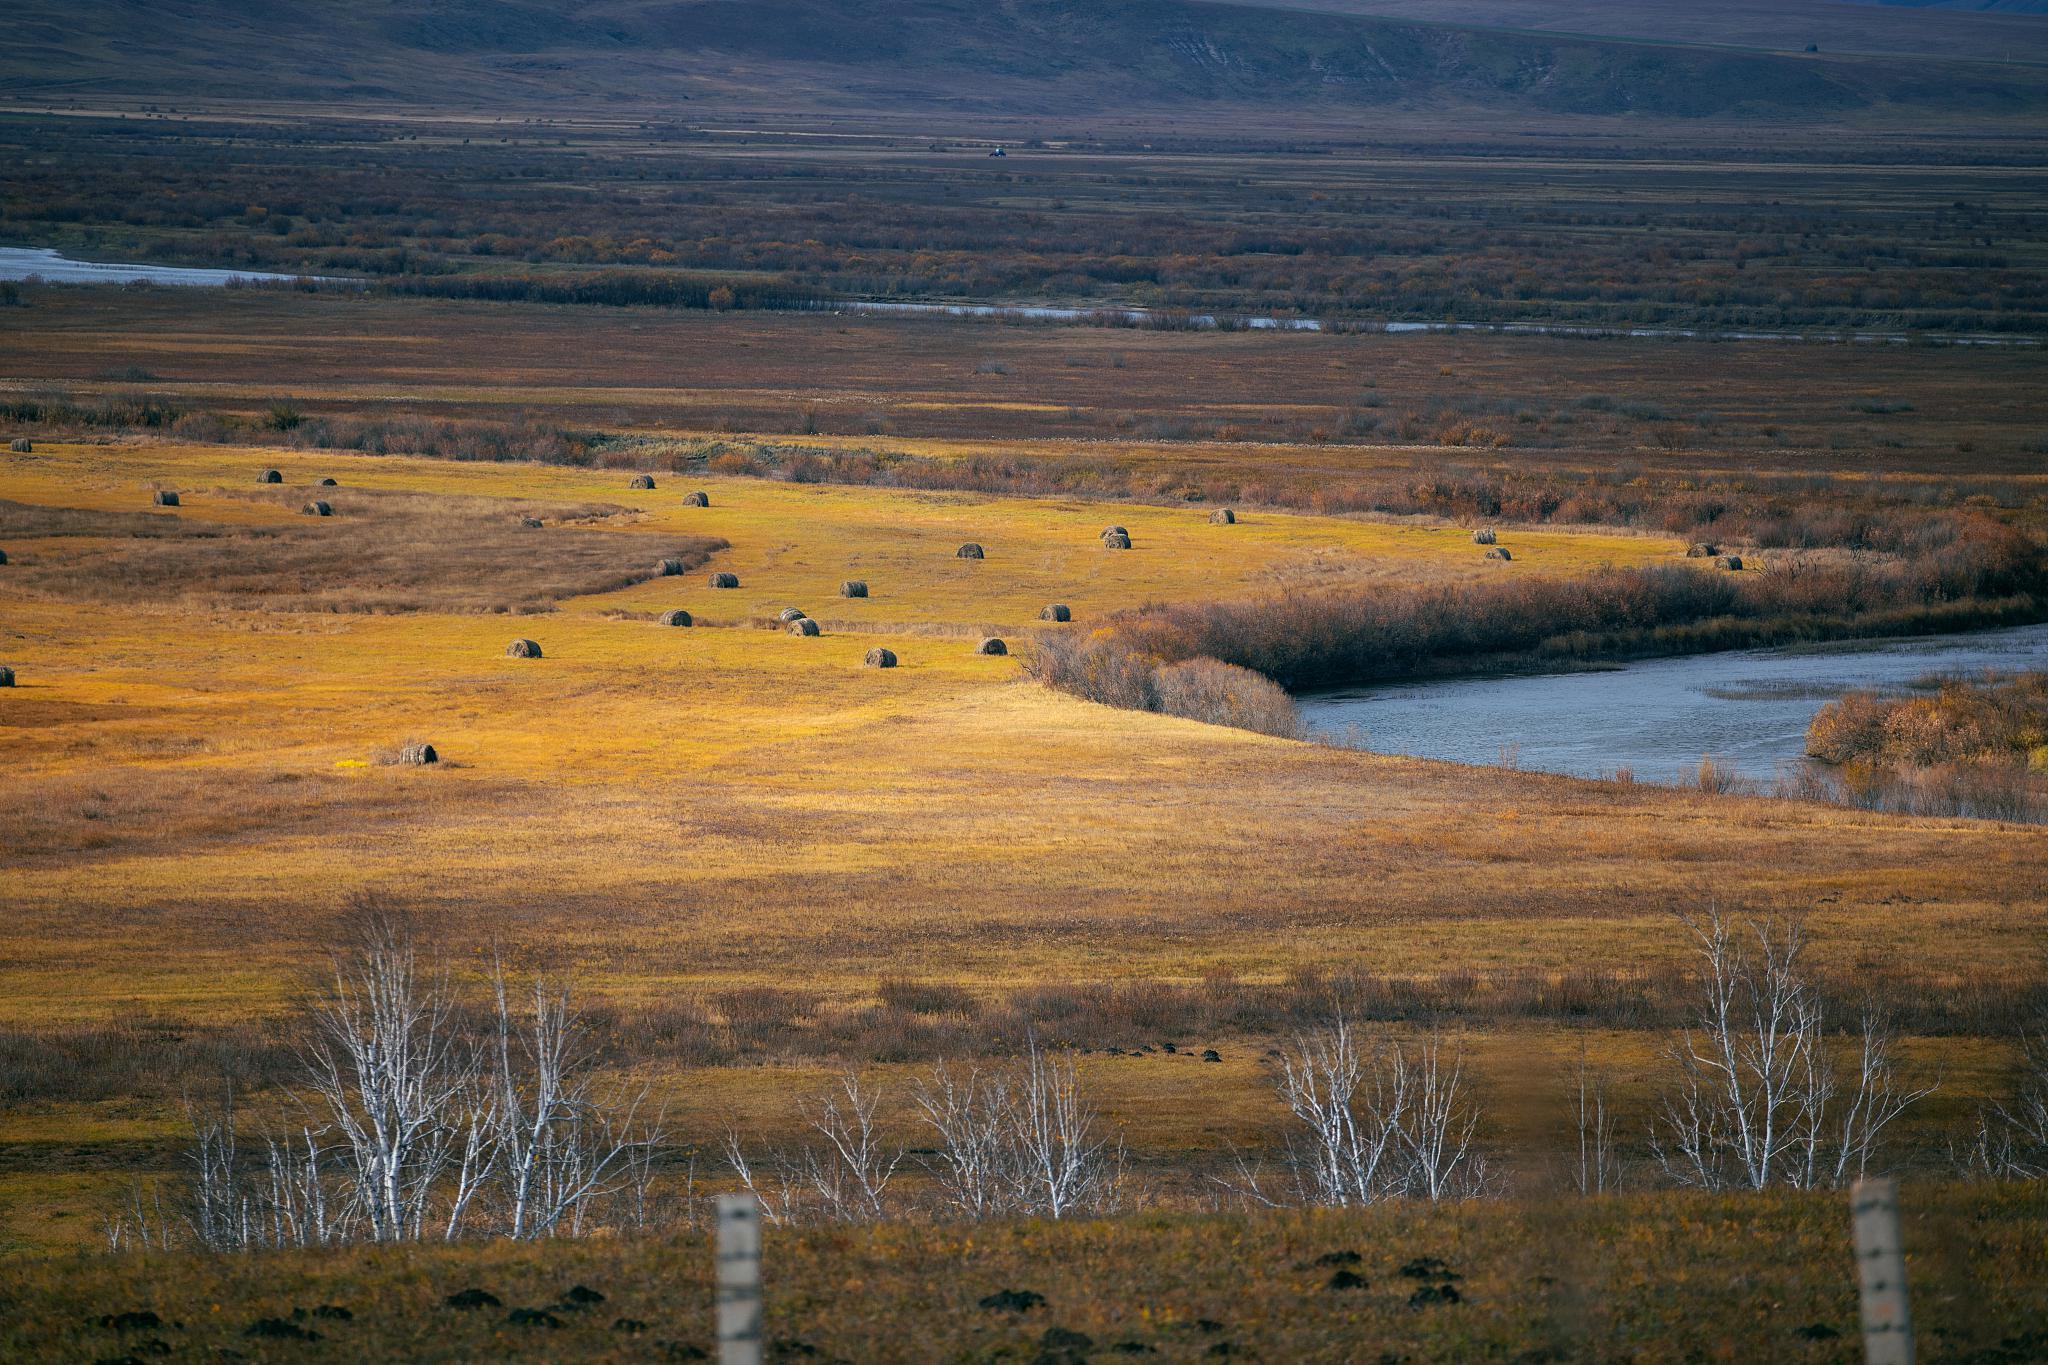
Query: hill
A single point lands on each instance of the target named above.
(1022, 55)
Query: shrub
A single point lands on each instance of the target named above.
(1224, 694)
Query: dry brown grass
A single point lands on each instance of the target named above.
(385, 551)
(1177, 401)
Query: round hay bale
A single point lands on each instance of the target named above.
(271, 476)
(1056, 612)
(969, 551)
(1483, 536)
(166, 498)
(418, 755)
(22, 445)
(3, 556)
(1499, 552)
(880, 658)
(991, 646)
(524, 649)
(1223, 516)
(803, 625)
(1731, 562)
(327, 483)
(853, 587)
(1115, 542)
(788, 614)
(7, 674)
(1109, 531)
(531, 523)
(697, 499)
(667, 568)
(1705, 549)
(642, 481)
(677, 617)
(317, 508)
(725, 580)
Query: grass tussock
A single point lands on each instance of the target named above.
(383, 552)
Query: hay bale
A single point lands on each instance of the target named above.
(1705, 549)
(969, 551)
(697, 499)
(1056, 612)
(1223, 516)
(788, 614)
(853, 587)
(1499, 552)
(1483, 536)
(1730, 562)
(166, 498)
(991, 646)
(271, 476)
(22, 445)
(3, 556)
(803, 625)
(880, 658)
(725, 580)
(524, 649)
(326, 483)
(7, 674)
(1109, 531)
(418, 755)
(676, 617)
(1115, 542)
(642, 481)
(667, 568)
(317, 508)
(531, 523)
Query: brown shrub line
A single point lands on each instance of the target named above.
(1978, 572)
(923, 1020)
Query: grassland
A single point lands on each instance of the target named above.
(727, 833)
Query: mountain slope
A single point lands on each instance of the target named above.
(1005, 54)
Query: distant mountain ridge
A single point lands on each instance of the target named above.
(958, 54)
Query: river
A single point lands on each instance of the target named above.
(1657, 718)
(46, 263)
(21, 263)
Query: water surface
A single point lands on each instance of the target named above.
(47, 263)
(1659, 717)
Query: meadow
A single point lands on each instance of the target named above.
(757, 858)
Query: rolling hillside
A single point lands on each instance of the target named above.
(946, 54)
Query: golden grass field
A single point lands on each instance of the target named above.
(661, 814)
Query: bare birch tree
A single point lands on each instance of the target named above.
(1063, 1163)
(1390, 1123)
(1756, 1099)
(1598, 1170)
(550, 1148)
(387, 1069)
(2011, 1138)
(841, 1176)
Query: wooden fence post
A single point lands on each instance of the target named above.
(739, 1280)
(1881, 1273)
